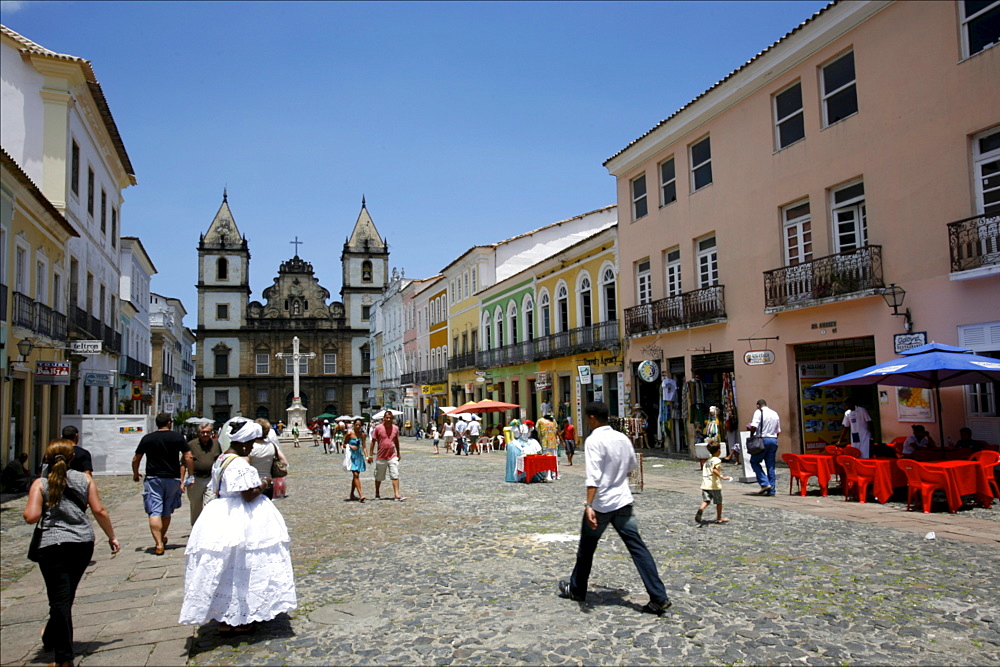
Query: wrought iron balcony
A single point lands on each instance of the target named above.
(690, 309)
(600, 336)
(974, 242)
(825, 279)
(43, 319)
(187, 366)
(406, 378)
(437, 376)
(461, 361)
(80, 322)
(24, 311)
(134, 368)
(3, 302)
(58, 326)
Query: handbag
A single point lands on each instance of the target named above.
(213, 493)
(347, 459)
(278, 467)
(755, 443)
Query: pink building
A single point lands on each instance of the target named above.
(777, 210)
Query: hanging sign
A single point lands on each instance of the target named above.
(52, 372)
(136, 390)
(584, 373)
(903, 342)
(649, 371)
(85, 346)
(758, 358)
(99, 379)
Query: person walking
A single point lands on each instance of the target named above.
(327, 435)
(473, 433)
(168, 465)
(766, 421)
(461, 427)
(262, 456)
(711, 484)
(449, 435)
(569, 437)
(355, 441)
(385, 442)
(205, 449)
(610, 457)
(436, 437)
(295, 435)
(60, 501)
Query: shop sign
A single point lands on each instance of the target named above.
(584, 373)
(468, 387)
(85, 346)
(136, 390)
(903, 342)
(649, 371)
(99, 379)
(52, 372)
(542, 385)
(409, 402)
(428, 389)
(758, 358)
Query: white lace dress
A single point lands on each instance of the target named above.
(239, 568)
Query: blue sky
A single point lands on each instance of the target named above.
(461, 123)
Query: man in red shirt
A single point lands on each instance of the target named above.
(569, 437)
(385, 442)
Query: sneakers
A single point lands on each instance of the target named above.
(657, 608)
(697, 516)
(565, 592)
(765, 491)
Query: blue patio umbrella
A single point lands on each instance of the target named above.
(929, 366)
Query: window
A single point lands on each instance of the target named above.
(840, 94)
(330, 394)
(262, 364)
(74, 169)
(498, 327)
(366, 359)
(512, 320)
(562, 308)
(366, 271)
(90, 191)
(639, 206)
(980, 25)
(850, 221)
(222, 397)
(586, 306)
(222, 311)
(57, 292)
(21, 270)
(366, 312)
(701, 164)
(529, 318)
(222, 362)
(290, 366)
(222, 269)
(672, 269)
(543, 302)
(475, 274)
(262, 396)
(40, 294)
(643, 283)
(797, 224)
(488, 338)
(104, 211)
(466, 285)
(986, 156)
(114, 227)
(708, 263)
(329, 363)
(789, 121)
(610, 297)
(668, 183)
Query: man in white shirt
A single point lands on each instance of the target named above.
(461, 428)
(610, 457)
(766, 421)
(473, 434)
(856, 421)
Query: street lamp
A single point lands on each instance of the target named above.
(24, 348)
(894, 295)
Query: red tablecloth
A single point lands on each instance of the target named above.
(820, 465)
(888, 476)
(934, 455)
(536, 463)
(965, 478)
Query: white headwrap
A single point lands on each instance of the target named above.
(247, 432)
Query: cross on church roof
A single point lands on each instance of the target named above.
(297, 243)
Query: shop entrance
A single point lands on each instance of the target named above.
(675, 438)
(713, 383)
(821, 409)
(648, 402)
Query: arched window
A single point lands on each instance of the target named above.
(366, 271)
(546, 321)
(263, 412)
(529, 317)
(512, 319)
(609, 300)
(498, 326)
(585, 314)
(487, 337)
(562, 308)
(222, 269)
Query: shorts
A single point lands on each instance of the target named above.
(570, 447)
(161, 495)
(712, 496)
(326, 441)
(381, 466)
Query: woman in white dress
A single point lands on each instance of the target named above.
(239, 568)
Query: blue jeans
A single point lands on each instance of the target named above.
(624, 522)
(768, 456)
(460, 446)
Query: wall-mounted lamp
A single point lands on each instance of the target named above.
(894, 295)
(24, 348)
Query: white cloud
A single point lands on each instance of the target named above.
(10, 6)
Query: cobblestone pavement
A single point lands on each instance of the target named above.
(465, 570)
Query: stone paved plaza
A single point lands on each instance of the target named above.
(465, 570)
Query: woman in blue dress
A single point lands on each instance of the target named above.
(355, 442)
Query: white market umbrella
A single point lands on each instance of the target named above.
(379, 415)
(199, 420)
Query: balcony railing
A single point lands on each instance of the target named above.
(58, 326)
(112, 340)
(461, 361)
(600, 336)
(974, 242)
(3, 302)
(24, 311)
(406, 378)
(829, 277)
(187, 366)
(133, 368)
(701, 306)
(43, 319)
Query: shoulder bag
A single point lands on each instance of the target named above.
(278, 468)
(210, 493)
(755, 443)
(35, 546)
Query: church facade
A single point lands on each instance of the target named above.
(238, 372)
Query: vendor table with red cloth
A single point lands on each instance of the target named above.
(536, 463)
(965, 478)
(821, 465)
(888, 476)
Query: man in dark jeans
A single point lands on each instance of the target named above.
(610, 457)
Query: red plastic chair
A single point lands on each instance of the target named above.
(832, 450)
(897, 442)
(989, 460)
(851, 451)
(801, 471)
(923, 481)
(860, 475)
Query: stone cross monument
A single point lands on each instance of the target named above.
(297, 411)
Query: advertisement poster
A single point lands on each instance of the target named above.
(822, 407)
(914, 404)
(52, 372)
(599, 388)
(621, 394)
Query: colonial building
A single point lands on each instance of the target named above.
(237, 372)
(134, 364)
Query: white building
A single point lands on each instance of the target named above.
(135, 361)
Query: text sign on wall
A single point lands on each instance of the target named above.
(903, 342)
(52, 372)
(758, 358)
(85, 346)
(99, 379)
